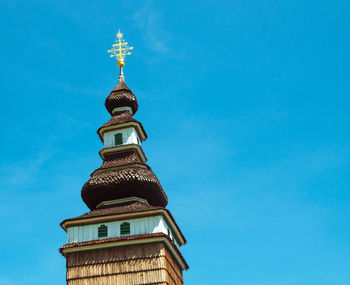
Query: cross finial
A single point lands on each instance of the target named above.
(120, 49)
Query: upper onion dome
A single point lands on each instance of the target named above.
(121, 96)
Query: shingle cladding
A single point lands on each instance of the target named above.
(123, 178)
(121, 96)
(121, 118)
(132, 181)
(124, 238)
(121, 208)
(121, 158)
(128, 207)
(122, 174)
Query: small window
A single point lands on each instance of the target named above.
(118, 139)
(102, 231)
(125, 228)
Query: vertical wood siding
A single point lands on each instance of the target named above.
(129, 137)
(135, 264)
(146, 225)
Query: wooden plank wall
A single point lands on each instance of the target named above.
(145, 225)
(135, 264)
(129, 137)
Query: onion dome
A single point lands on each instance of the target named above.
(121, 183)
(121, 96)
(123, 173)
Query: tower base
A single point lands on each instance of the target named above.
(149, 263)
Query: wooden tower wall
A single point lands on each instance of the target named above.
(135, 264)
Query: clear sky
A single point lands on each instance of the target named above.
(246, 104)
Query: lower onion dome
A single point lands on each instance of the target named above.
(122, 183)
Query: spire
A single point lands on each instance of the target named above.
(124, 172)
(121, 76)
(121, 96)
(128, 232)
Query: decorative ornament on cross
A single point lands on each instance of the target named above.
(120, 49)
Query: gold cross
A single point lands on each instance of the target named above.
(120, 49)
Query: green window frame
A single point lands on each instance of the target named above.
(125, 228)
(102, 231)
(118, 139)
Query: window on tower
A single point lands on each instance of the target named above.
(102, 231)
(125, 228)
(118, 139)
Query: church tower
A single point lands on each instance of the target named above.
(128, 237)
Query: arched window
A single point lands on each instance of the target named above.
(125, 228)
(102, 231)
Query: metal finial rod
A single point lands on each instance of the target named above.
(121, 75)
(120, 49)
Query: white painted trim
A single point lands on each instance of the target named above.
(138, 226)
(118, 201)
(129, 136)
(173, 226)
(136, 125)
(120, 109)
(102, 219)
(94, 220)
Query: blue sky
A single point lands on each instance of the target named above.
(246, 104)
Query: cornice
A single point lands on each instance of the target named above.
(122, 148)
(136, 125)
(125, 241)
(108, 218)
